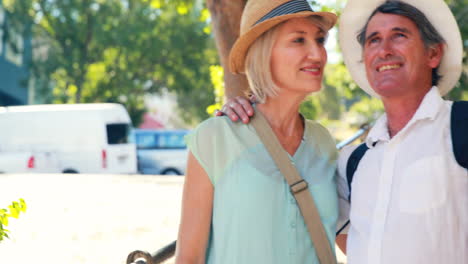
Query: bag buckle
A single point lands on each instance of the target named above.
(298, 187)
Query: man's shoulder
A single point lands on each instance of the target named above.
(459, 130)
(343, 158)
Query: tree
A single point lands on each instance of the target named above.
(120, 51)
(13, 211)
(226, 17)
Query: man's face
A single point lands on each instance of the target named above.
(397, 62)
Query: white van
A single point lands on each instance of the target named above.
(84, 138)
(28, 162)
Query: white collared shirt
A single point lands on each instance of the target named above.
(409, 195)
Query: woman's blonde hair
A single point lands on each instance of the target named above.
(257, 62)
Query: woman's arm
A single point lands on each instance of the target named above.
(197, 205)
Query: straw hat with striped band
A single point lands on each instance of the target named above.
(261, 15)
(355, 16)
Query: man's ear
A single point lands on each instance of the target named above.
(435, 53)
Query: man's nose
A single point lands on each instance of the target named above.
(386, 48)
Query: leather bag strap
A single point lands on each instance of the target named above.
(298, 188)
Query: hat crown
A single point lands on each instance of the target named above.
(257, 9)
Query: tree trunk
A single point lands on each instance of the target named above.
(225, 17)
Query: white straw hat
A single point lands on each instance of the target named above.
(355, 16)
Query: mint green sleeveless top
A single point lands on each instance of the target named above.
(255, 218)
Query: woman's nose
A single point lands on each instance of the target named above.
(314, 52)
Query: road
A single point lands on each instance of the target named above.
(78, 219)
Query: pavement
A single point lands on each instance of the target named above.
(90, 219)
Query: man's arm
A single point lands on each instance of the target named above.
(341, 242)
(237, 108)
(343, 197)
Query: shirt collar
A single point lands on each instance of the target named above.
(428, 109)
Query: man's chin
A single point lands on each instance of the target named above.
(388, 91)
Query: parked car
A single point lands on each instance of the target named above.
(161, 152)
(85, 138)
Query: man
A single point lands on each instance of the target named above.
(409, 195)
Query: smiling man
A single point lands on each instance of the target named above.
(409, 194)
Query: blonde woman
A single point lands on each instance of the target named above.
(236, 206)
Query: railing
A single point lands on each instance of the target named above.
(168, 251)
(360, 133)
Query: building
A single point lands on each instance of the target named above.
(15, 56)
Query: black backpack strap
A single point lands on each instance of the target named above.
(459, 130)
(353, 163)
(351, 167)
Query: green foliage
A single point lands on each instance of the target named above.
(460, 10)
(13, 211)
(120, 51)
(217, 79)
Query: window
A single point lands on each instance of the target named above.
(160, 139)
(117, 133)
(146, 140)
(172, 141)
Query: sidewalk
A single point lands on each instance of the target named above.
(89, 219)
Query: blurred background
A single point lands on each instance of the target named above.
(113, 86)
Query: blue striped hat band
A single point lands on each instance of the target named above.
(291, 7)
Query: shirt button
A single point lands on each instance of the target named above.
(293, 225)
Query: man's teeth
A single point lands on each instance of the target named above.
(311, 70)
(388, 67)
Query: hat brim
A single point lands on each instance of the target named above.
(243, 43)
(355, 16)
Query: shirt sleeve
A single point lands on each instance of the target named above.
(200, 147)
(208, 143)
(343, 189)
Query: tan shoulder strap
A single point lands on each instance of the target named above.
(298, 188)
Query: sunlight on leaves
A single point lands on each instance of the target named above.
(205, 15)
(8, 4)
(156, 4)
(13, 211)
(182, 9)
(217, 79)
(207, 29)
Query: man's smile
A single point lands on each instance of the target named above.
(388, 67)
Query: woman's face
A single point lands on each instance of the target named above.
(298, 56)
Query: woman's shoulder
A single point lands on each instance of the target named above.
(315, 129)
(317, 134)
(214, 125)
(219, 129)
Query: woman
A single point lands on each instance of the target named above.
(236, 206)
